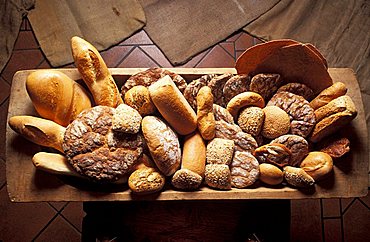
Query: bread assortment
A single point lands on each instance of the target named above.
(220, 131)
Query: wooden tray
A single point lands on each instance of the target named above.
(26, 184)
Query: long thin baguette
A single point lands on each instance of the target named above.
(38, 130)
(95, 73)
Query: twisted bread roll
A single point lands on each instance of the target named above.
(95, 73)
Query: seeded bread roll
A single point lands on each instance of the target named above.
(317, 164)
(185, 179)
(205, 117)
(126, 119)
(138, 98)
(251, 120)
(55, 96)
(336, 90)
(297, 177)
(163, 144)
(218, 176)
(277, 122)
(220, 151)
(95, 73)
(146, 180)
(173, 106)
(39, 131)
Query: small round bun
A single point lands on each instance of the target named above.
(317, 164)
(277, 122)
(271, 174)
(146, 180)
(185, 179)
(220, 151)
(218, 176)
(251, 120)
(297, 177)
(242, 100)
(126, 119)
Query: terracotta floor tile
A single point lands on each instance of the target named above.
(23, 24)
(238, 53)
(2, 173)
(140, 38)
(244, 42)
(346, 202)
(366, 199)
(234, 36)
(229, 47)
(195, 60)
(305, 223)
(44, 65)
(331, 207)
(74, 213)
(58, 231)
(26, 40)
(4, 90)
(217, 57)
(257, 41)
(22, 221)
(356, 223)
(154, 52)
(21, 60)
(114, 55)
(3, 117)
(58, 205)
(332, 230)
(137, 58)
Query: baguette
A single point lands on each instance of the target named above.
(205, 117)
(95, 73)
(38, 130)
(55, 96)
(173, 106)
(336, 90)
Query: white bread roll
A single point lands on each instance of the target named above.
(194, 154)
(39, 131)
(55, 96)
(317, 164)
(95, 73)
(173, 106)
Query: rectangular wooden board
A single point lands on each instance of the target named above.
(26, 184)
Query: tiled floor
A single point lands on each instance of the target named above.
(312, 220)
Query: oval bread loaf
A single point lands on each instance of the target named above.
(55, 96)
(138, 98)
(205, 117)
(173, 106)
(163, 144)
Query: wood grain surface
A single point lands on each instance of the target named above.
(26, 184)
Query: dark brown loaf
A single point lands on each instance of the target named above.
(55, 96)
(38, 130)
(163, 144)
(95, 73)
(173, 106)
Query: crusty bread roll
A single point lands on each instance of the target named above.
(317, 164)
(58, 164)
(218, 176)
(126, 119)
(55, 96)
(220, 151)
(138, 98)
(173, 106)
(193, 162)
(297, 177)
(276, 123)
(38, 130)
(95, 73)
(336, 105)
(336, 90)
(251, 120)
(244, 99)
(146, 180)
(163, 144)
(271, 174)
(205, 117)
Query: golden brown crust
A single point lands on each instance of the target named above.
(173, 106)
(163, 144)
(271, 174)
(146, 180)
(297, 177)
(220, 151)
(194, 154)
(126, 119)
(205, 117)
(274, 153)
(185, 179)
(243, 100)
(244, 169)
(336, 90)
(218, 176)
(55, 96)
(95, 73)
(276, 122)
(39, 131)
(251, 120)
(317, 164)
(138, 98)
(336, 105)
